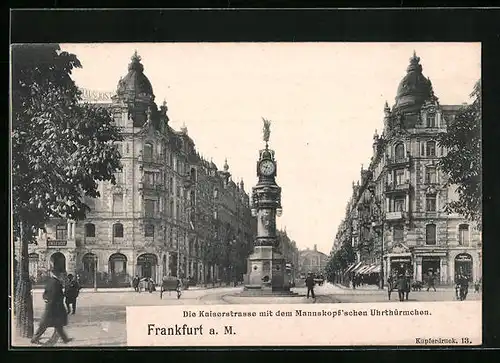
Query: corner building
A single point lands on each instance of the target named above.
(161, 214)
(396, 211)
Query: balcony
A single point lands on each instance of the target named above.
(154, 160)
(398, 162)
(398, 188)
(151, 187)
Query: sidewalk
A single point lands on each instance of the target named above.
(108, 334)
(376, 288)
(39, 290)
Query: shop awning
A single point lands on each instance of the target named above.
(353, 266)
(367, 270)
(375, 270)
(359, 268)
(363, 270)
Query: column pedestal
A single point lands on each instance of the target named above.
(266, 273)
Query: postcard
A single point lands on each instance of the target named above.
(246, 194)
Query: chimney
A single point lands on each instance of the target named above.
(315, 247)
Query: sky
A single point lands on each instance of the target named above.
(324, 100)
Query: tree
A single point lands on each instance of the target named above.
(339, 260)
(60, 149)
(462, 161)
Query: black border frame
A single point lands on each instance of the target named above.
(298, 25)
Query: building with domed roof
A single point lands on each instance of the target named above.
(170, 213)
(395, 219)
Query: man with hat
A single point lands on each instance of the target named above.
(55, 314)
(310, 285)
(71, 293)
(401, 286)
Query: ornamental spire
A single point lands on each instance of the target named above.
(136, 65)
(266, 130)
(414, 63)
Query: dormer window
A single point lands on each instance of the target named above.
(431, 120)
(399, 151)
(147, 153)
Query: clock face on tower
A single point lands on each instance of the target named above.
(267, 167)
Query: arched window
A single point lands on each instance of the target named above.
(62, 231)
(463, 234)
(89, 230)
(193, 175)
(149, 230)
(399, 151)
(431, 148)
(147, 153)
(117, 230)
(430, 234)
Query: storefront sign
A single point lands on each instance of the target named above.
(56, 243)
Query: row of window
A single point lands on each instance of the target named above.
(426, 149)
(151, 206)
(149, 230)
(430, 176)
(431, 234)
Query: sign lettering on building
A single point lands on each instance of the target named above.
(92, 96)
(56, 243)
(463, 257)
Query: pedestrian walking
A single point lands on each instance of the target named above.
(150, 284)
(407, 285)
(477, 286)
(55, 314)
(401, 286)
(71, 292)
(430, 281)
(310, 285)
(135, 283)
(463, 287)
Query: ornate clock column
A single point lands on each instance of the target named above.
(266, 266)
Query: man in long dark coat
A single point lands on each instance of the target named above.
(310, 285)
(71, 293)
(401, 286)
(55, 314)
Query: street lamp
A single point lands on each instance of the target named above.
(95, 273)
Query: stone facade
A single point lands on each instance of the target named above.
(168, 205)
(312, 261)
(397, 208)
(288, 248)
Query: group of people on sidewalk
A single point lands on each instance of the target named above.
(60, 300)
(145, 283)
